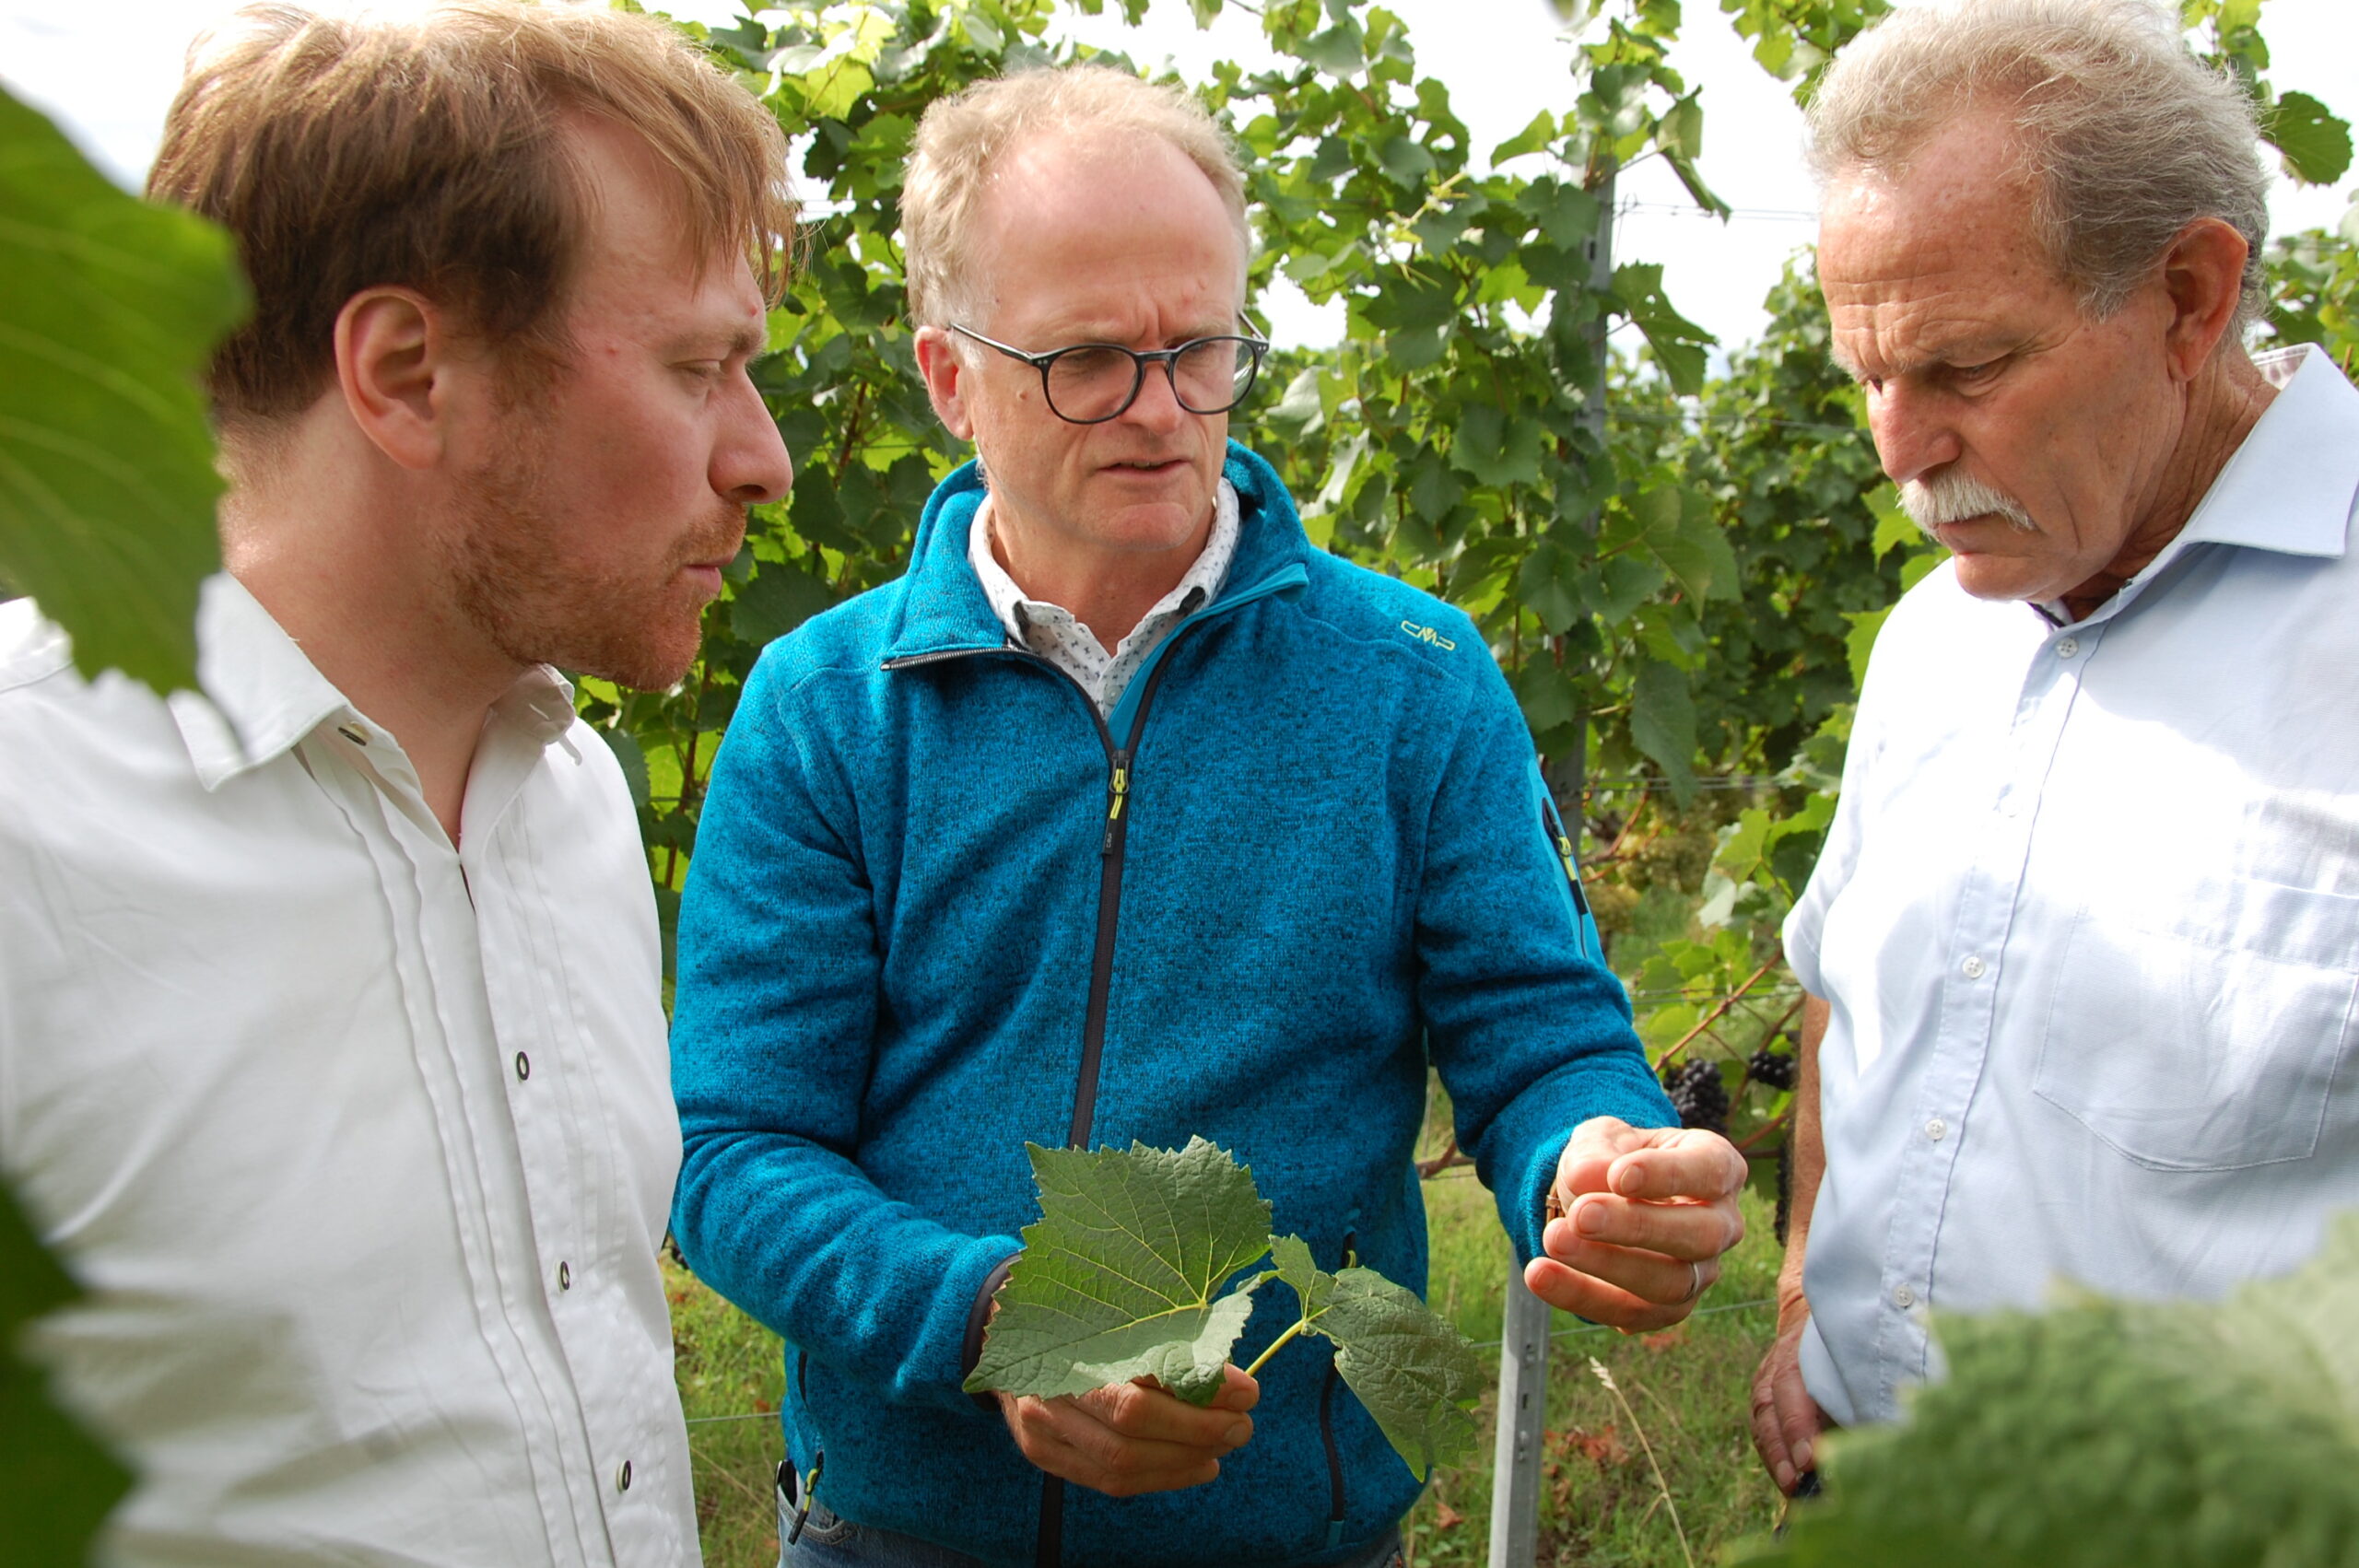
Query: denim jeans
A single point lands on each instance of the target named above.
(829, 1543)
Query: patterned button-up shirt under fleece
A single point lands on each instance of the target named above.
(1053, 631)
(2088, 919)
(362, 1143)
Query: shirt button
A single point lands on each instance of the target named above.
(352, 733)
(1937, 1130)
(524, 1063)
(2068, 648)
(1902, 1297)
(565, 1276)
(622, 1478)
(1973, 968)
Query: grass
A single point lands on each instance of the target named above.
(1687, 1387)
(1601, 1507)
(730, 1380)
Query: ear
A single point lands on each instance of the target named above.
(394, 364)
(944, 370)
(2203, 274)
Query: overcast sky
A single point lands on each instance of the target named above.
(107, 71)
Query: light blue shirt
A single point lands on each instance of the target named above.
(2088, 919)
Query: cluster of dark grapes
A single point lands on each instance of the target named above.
(1772, 1067)
(1699, 1095)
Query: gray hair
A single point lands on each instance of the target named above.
(2126, 137)
(963, 136)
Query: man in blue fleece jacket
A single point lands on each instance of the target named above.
(1127, 815)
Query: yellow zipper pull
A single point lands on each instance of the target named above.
(1117, 786)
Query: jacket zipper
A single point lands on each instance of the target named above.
(1327, 1426)
(1111, 857)
(1049, 1542)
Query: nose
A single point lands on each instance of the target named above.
(1913, 429)
(750, 466)
(1156, 407)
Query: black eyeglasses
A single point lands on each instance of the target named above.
(1092, 382)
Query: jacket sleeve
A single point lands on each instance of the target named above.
(773, 1032)
(1529, 1030)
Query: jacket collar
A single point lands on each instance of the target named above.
(943, 608)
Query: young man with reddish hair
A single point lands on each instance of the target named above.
(332, 1049)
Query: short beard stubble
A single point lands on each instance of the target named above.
(516, 583)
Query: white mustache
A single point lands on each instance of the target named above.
(1953, 498)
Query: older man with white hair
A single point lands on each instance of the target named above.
(2085, 939)
(1125, 815)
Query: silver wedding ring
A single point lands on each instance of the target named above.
(1695, 1284)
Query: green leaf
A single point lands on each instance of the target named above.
(1410, 1367)
(1861, 639)
(60, 1485)
(107, 310)
(1495, 449)
(1120, 1276)
(2316, 145)
(1550, 701)
(2185, 1435)
(780, 598)
(1620, 585)
(1405, 159)
(1339, 52)
(1550, 583)
(1293, 415)
(1662, 723)
(1894, 526)
(1680, 132)
(1534, 138)
(1693, 177)
(1565, 214)
(631, 757)
(1678, 343)
(1678, 529)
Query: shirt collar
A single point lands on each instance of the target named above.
(2290, 487)
(1010, 603)
(261, 695)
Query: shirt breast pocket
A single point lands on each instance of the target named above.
(2202, 1029)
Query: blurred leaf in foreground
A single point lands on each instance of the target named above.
(2103, 1433)
(109, 307)
(56, 1485)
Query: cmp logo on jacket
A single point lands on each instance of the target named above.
(1427, 634)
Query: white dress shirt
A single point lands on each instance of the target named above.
(2088, 916)
(362, 1144)
(1055, 634)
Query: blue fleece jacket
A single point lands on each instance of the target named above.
(937, 910)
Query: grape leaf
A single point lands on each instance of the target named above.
(60, 1483)
(1408, 1365)
(2185, 1435)
(107, 308)
(2314, 144)
(1119, 1277)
